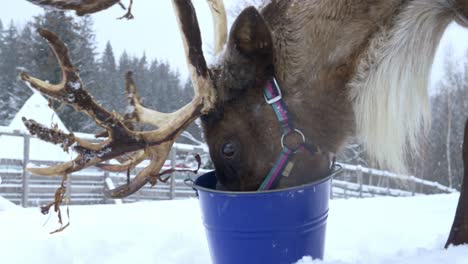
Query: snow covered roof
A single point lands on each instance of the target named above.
(36, 107)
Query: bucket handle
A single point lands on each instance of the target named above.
(190, 183)
(337, 168)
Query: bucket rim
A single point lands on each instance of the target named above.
(336, 169)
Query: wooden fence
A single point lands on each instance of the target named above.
(359, 181)
(87, 186)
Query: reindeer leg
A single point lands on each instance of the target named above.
(459, 232)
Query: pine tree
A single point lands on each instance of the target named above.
(26, 51)
(1, 36)
(186, 95)
(164, 93)
(123, 67)
(174, 92)
(24, 63)
(4, 111)
(154, 85)
(108, 91)
(124, 64)
(10, 100)
(108, 60)
(10, 55)
(187, 92)
(86, 51)
(141, 73)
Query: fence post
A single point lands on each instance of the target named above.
(359, 178)
(387, 180)
(26, 141)
(105, 176)
(69, 187)
(172, 156)
(413, 186)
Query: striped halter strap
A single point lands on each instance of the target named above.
(283, 164)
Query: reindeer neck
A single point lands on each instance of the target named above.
(315, 78)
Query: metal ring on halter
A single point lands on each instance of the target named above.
(289, 133)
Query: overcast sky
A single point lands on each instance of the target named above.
(153, 31)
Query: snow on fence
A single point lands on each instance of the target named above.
(87, 186)
(359, 181)
(83, 187)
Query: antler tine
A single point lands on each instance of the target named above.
(218, 13)
(149, 116)
(203, 86)
(139, 112)
(128, 164)
(82, 7)
(158, 155)
(57, 137)
(71, 88)
(69, 73)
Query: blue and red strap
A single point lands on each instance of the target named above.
(274, 97)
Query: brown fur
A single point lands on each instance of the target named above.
(316, 48)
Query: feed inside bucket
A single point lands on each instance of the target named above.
(279, 226)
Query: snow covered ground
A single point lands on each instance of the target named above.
(379, 230)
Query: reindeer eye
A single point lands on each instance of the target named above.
(228, 150)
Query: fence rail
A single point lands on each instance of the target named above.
(359, 181)
(87, 186)
(405, 178)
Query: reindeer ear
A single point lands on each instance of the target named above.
(250, 34)
(248, 60)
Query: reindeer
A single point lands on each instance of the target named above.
(295, 80)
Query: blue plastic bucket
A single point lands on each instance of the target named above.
(279, 226)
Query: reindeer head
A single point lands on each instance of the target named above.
(243, 132)
(241, 128)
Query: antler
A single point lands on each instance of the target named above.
(122, 141)
(82, 7)
(218, 13)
